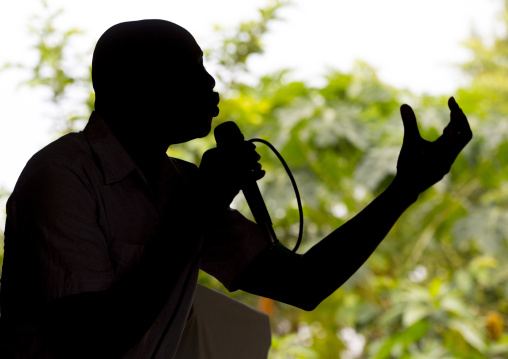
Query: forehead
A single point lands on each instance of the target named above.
(149, 38)
(174, 38)
(144, 49)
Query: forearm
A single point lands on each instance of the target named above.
(339, 255)
(305, 280)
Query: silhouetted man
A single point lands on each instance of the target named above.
(105, 234)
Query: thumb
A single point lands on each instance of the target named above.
(411, 132)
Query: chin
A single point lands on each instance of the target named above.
(205, 129)
(202, 126)
(198, 131)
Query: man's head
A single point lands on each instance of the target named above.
(153, 69)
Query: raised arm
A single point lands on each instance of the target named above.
(305, 280)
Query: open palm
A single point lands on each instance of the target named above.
(422, 163)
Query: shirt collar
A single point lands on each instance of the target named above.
(115, 161)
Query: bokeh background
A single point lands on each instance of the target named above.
(323, 81)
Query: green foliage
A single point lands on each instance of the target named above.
(437, 286)
(240, 43)
(49, 71)
(55, 69)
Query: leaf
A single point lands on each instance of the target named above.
(435, 286)
(455, 305)
(486, 225)
(376, 165)
(414, 313)
(470, 334)
(414, 333)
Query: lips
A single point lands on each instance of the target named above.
(216, 111)
(215, 99)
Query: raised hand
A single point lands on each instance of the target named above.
(422, 163)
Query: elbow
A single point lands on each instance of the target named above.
(312, 304)
(307, 303)
(309, 307)
(311, 293)
(311, 296)
(305, 295)
(298, 300)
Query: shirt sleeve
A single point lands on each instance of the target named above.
(56, 218)
(230, 246)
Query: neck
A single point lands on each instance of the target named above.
(148, 158)
(139, 142)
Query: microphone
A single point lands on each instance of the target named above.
(228, 137)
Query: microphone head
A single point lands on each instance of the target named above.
(228, 134)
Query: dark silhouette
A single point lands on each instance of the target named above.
(105, 233)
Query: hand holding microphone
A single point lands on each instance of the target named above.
(228, 167)
(234, 166)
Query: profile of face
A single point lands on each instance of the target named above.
(149, 78)
(193, 100)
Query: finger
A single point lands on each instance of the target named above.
(248, 158)
(255, 156)
(248, 151)
(458, 129)
(250, 176)
(249, 145)
(457, 133)
(411, 132)
(452, 104)
(258, 174)
(457, 117)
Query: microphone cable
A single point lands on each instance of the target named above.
(295, 187)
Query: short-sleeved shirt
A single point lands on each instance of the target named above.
(80, 217)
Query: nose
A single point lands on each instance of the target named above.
(210, 79)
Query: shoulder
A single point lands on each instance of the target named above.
(57, 175)
(70, 153)
(65, 150)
